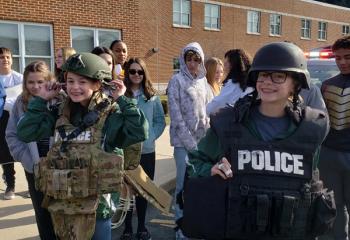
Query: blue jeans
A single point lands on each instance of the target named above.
(335, 173)
(180, 154)
(103, 230)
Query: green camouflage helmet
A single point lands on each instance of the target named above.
(88, 65)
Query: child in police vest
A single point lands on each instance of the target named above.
(35, 76)
(255, 164)
(86, 112)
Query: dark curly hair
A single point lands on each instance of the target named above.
(240, 63)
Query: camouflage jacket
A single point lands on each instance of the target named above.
(124, 126)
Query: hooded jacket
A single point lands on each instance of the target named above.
(187, 99)
(26, 153)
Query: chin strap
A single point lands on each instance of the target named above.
(126, 202)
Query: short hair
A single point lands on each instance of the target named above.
(192, 53)
(343, 42)
(4, 50)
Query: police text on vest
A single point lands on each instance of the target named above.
(261, 160)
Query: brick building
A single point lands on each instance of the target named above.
(157, 29)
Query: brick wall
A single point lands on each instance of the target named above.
(147, 24)
(233, 32)
(62, 14)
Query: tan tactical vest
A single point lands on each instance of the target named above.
(74, 177)
(84, 169)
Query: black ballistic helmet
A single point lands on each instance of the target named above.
(280, 56)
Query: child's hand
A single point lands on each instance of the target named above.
(119, 89)
(49, 91)
(222, 168)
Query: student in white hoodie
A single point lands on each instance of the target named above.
(188, 94)
(11, 81)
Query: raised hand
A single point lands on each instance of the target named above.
(50, 90)
(119, 89)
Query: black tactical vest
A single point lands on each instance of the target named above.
(269, 195)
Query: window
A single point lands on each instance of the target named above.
(322, 30)
(253, 22)
(212, 16)
(345, 30)
(306, 28)
(28, 42)
(181, 12)
(176, 65)
(275, 24)
(85, 39)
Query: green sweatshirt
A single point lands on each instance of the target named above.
(125, 126)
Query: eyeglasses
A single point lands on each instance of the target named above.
(134, 71)
(276, 77)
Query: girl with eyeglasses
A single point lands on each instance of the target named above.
(256, 169)
(139, 86)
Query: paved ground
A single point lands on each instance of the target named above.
(160, 226)
(17, 219)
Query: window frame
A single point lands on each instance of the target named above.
(252, 23)
(322, 31)
(347, 30)
(22, 56)
(304, 29)
(181, 24)
(274, 26)
(95, 33)
(210, 6)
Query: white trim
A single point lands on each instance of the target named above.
(253, 33)
(212, 29)
(181, 26)
(276, 12)
(275, 35)
(93, 28)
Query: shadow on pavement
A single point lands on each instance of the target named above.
(10, 223)
(6, 211)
